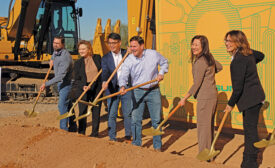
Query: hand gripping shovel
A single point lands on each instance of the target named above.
(31, 113)
(70, 113)
(154, 132)
(117, 93)
(265, 143)
(207, 154)
(102, 90)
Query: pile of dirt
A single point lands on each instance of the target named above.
(37, 146)
(38, 142)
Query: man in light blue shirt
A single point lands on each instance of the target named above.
(142, 66)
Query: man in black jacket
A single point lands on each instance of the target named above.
(109, 64)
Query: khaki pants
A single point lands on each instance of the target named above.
(205, 123)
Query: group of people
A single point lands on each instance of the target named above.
(143, 65)
(248, 93)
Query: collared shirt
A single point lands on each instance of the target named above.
(117, 58)
(62, 65)
(143, 69)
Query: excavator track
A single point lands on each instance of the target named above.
(21, 84)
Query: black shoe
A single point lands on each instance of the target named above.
(94, 135)
(81, 132)
(128, 138)
(72, 129)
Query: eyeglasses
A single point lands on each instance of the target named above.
(112, 43)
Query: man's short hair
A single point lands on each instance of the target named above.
(60, 38)
(138, 39)
(114, 36)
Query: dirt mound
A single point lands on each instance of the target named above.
(37, 142)
(37, 146)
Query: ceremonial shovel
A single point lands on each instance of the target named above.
(265, 143)
(207, 154)
(31, 113)
(154, 132)
(117, 93)
(70, 113)
(102, 90)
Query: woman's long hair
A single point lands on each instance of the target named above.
(88, 44)
(239, 38)
(205, 50)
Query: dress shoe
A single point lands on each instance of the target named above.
(72, 129)
(94, 135)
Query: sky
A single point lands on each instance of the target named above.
(92, 9)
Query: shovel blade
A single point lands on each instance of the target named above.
(65, 115)
(261, 144)
(83, 116)
(152, 132)
(206, 154)
(30, 114)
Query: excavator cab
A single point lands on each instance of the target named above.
(28, 31)
(26, 42)
(62, 22)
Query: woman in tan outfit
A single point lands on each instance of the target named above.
(204, 67)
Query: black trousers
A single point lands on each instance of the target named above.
(250, 122)
(82, 124)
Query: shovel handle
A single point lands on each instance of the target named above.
(129, 89)
(85, 91)
(111, 77)
(170, 114)
(87, 103)
(219, 129)
(46, 77)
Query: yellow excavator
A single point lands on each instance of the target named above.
(26, 37)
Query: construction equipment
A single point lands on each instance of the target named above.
(70, 113)
(156, 131)
(31, 113)
(26, 41)
(207, 154)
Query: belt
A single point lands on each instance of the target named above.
(151, 88)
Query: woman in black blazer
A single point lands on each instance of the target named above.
(248, 93)
(85, 69)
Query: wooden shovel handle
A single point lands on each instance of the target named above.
(170, 114)
(219, 129)
(110, 78)
(46, 77)
(129, 89)
(94, 79)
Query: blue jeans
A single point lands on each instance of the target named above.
(126, 104)
(64, 102)
(153, 100)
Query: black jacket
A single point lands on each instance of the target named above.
(246, 85)
(108, 66)
(80, 79)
